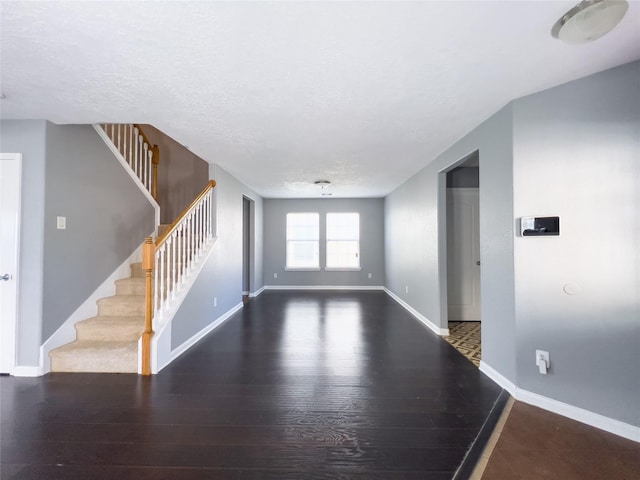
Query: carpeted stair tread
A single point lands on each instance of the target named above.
(96, 356)
(110, 328)
(130, 286)
(122, 305)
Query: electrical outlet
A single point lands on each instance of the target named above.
(370, 275)
(61, 223)
(406, 289)
(275, 275)
(215, 301)
(542, 361)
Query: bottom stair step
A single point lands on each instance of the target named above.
(96, 357)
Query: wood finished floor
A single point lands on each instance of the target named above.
(320, 385)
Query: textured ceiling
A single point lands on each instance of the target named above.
(282, 94)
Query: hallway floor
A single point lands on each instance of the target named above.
(297, 385)
(465, 337)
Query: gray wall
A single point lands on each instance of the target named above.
(415, 238)
(572, 151)
(28, 137)
(221, 276)
(577, 155)
(371, 212)
(108, 217)
(181, 174)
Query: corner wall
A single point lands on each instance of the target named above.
(577, 155)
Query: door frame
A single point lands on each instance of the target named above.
(442, 237)
(9, 322)
(248, 242)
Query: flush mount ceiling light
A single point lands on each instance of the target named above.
(323, 184)
(589, 20)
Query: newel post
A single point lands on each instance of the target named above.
(148, 257)
(155, 160)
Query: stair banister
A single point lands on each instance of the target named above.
(142, 156)
(170, 259)
(148, 254)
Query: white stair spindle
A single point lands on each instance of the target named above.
(134, 159)
(156, 304)
(149, 169)
(140, 153)
(130, 143)
(145, 164)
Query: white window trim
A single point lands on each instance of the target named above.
(302, 269)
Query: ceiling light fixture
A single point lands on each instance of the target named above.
(589, 20)
(323, 184)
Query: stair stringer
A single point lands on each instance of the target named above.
(161, 354)
(66, 333)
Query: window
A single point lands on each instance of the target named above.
(343, 241)
(303, 233)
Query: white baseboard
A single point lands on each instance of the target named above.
(497, 377)
(27, 371)
(432, 326)
(322, 287)
(66, 333)
(256, 293)
(587, 417)
(202, 333)
(607, 424)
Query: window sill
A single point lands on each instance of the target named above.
(342, 269)
(302, 269)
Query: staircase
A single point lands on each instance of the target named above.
(121, 336)
(109, 341)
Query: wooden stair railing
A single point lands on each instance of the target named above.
(170, 259)
(142, 156)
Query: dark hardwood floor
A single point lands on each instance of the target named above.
(297, 385)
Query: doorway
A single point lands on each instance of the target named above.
(247, 250)
(463, 257)
(10, 184)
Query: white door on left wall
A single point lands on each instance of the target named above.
(10, 183)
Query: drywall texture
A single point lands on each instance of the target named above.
(221, 276)
(181, 174)
(107, 217)
(29, 138)
(415, 238)
(577, 155)
(371, 212)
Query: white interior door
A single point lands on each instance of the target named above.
(463, 254)
(10, 181)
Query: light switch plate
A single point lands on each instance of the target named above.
(61, 223)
